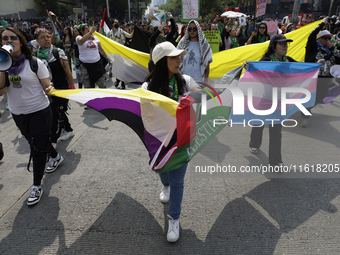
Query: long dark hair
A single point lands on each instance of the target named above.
(158, 79)
(70, 34)
(270, 50)
(25, 49)
(266, 32)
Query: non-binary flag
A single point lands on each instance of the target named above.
(133, 65)
(172, 132)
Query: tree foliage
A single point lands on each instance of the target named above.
(61, 10)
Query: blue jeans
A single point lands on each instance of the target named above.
(175, 179)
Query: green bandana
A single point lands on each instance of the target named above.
(275, 59)
(233, 41)
(80, 27)
(262, 38)
(43, 54)
(173, 89)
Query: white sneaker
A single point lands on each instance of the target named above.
(164, 197)
(54, 163)
(66, 135)
(35, 195)
(173, 230)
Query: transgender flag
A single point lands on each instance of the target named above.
(263, 80)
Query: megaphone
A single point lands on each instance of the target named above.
(6, 59)
(338, 36)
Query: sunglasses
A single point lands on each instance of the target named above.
(262, 27)
(192, 29)
(12, 37)
(45, 36)
(326, 38)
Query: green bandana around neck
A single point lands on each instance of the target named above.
(275, 59)
(262, 38)
(173, 88)
(233, 41)
(43, 54)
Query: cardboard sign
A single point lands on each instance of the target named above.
(243, 21)
(260, 8)
(190, 10)
(213, 38)
(272, 27)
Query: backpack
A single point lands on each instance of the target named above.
(34, 67)
(34, 64)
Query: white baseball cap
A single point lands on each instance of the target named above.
(324, 33)
(166, 49)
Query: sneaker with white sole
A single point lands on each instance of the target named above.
(164, 197)
(35, 195)
(66, 135)
(254, 150)
(173, 230)
(54, 163)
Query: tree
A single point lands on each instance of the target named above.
(61, 10)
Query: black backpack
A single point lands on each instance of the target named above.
(34, 64)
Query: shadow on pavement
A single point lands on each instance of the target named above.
(34, 229)
(254, 223)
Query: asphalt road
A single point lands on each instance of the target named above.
(103, 199)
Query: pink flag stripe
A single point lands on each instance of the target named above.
(265, 104)
(277, 79)
(265, 91)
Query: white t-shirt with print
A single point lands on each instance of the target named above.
(28, 96)
(88, 52)
(192, 64)
(189, 84)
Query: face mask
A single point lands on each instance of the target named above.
(116, 25)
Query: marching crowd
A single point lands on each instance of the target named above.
(179, 63)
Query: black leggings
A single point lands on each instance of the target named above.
(275, 137)
(60, 119)
(36, 127)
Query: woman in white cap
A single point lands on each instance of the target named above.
(166, 79)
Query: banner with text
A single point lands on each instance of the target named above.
(260, 7)
(190, 10)
(213, 38)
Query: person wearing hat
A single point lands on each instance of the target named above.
(320, 49)
(277, 52)
(166, 79)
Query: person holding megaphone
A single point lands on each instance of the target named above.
(27, 82)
